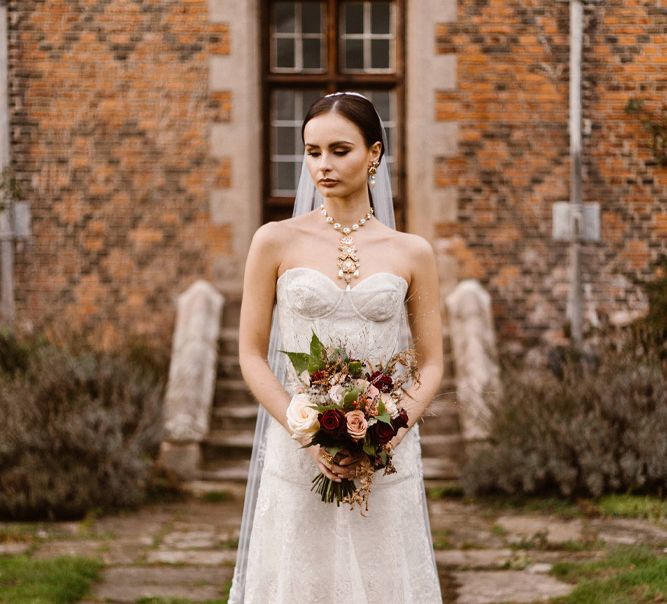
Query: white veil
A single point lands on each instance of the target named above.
(307, 199)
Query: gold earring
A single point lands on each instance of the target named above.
(371, 173)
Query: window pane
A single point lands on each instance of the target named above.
(284, 104)
(380, 54)
(381, 101)
(309, 97)
(354, 18)
(285, 52)
(311, 18)
(311, 53)
(297, 172)
(354, 54)
(284, 140)
(285, 20)
(380, 17)
(390, 141)
(285, 176)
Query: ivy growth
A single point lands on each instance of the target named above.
(655, 124)
(9, 187)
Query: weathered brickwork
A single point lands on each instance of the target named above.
(512, 106)
(110, 116)
(111, 112)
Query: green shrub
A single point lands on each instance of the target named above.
(79, 426)
(594, 426)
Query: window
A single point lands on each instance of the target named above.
(312, 48)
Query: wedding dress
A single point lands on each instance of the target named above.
(302, 550)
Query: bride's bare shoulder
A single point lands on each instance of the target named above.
(276, 233)
(415, 245)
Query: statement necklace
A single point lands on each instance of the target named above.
(348, 260)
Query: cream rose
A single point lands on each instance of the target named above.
(361, 384)
(302, 419)
(336, 393)
(356, 424)
(389, 405)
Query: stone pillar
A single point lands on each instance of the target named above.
(235, 199)
(192, 374)
(474, 344)
(432, 138)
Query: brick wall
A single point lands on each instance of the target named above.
(110, 115)
(513, 160)
(111, 111)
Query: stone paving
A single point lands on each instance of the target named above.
(186, 549)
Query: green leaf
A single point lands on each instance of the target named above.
(317, 348)
(351, 395)
(385, 418)
(299, 360)
(383, 456)
(369, 448)
(314, 364)
(332, 450)
(355, 368)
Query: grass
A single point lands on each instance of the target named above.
(553, 506)
(629, 575)
(440, 540)
(58, 580)
(223, 600)
(443, 491)
(634, 506)
(218, 496)
(620, 506)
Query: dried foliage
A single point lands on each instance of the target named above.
(79, 426)
(592, 421)
(595, 425)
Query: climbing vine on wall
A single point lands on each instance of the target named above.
(656, 125)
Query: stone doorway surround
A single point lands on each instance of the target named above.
(235, 137)
(235, 140)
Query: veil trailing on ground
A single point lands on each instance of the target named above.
(307, 199)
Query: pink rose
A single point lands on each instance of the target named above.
(356, 424)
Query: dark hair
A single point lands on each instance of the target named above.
(359, 110)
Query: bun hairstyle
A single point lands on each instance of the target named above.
(353, 106)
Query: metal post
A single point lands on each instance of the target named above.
(575, 298)
(7, 311)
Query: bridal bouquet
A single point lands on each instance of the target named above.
(349, 405)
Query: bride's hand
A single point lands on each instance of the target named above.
(343, 466)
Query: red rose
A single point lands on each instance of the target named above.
(333, 422)
(381, 433)
(401, 420)
(381, 381)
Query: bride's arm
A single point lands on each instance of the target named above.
(423, 304)
(259, 289)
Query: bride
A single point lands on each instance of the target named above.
(293, 547)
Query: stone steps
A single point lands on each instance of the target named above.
(226, 449)
(235, 416)
(236, 470)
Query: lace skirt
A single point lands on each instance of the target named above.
(304, 550)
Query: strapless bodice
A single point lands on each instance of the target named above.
(366, 319)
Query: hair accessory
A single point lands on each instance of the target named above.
(345, 92)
